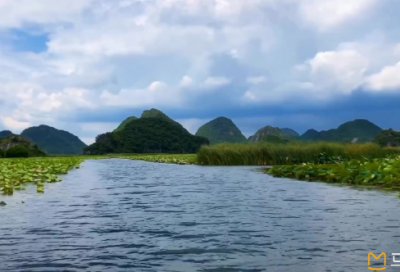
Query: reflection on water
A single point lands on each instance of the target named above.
(122, 215)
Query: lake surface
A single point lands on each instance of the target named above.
(123, 215)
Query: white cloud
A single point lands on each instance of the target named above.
(215, 82)
(156, 94)
(331, 13)
(397, 49)
(341, 71)
(387, 79)
(290, 92)
(186, 81)
(13, 124)
(256, 79)
(16, 13)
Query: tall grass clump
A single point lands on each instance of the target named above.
(284, 154)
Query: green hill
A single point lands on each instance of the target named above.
(17, 146)
(154, 113)
(221, 130)
(5, 133)
(147, 135)
(357, 131)
(290, 133)
(388, 138)
(310, 135)
(123, 124)
(54, 141)
(270, 134)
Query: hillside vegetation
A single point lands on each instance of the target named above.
(147, 135)
(5, 133)
(290, 133)
(388, 138)
(54, 141)
(15, 146)
(357, 131)
(221, 130)
(123, 124)
(271, 135)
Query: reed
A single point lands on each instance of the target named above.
(287, 154)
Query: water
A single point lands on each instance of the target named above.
(122, 215)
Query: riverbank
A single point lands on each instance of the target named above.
(381, 173)
(160, 158)
(289, 154)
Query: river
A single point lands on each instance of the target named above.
(123, 215)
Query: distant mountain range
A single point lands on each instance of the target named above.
(359, 130)
(155, 132)
(51, 140)
(223, 129)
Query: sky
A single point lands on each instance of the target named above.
(86, 65)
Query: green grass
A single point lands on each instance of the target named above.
(288, 154)
(382, 172)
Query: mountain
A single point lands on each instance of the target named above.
(290, 132)
(270, 134)
(147, 135)
(123, 124)
(356, 131)
(54, 141)
(154, 113)
(17, 146)
(221, 130)
(388, 138)
(310, 135)
(5, 133)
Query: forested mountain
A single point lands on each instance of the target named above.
(147, 135)
(54, 141)
(359, 130)
(123, 124)
(388, 137)
(221, 130)
(17, 146)
(270, 134)
(5, 133)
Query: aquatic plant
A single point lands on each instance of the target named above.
(161, 158)
(16, 173)
(288, 154)
(383, 172)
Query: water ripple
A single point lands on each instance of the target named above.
(122, 215)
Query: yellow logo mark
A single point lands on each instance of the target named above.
(376, 258)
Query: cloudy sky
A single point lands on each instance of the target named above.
(85, 65)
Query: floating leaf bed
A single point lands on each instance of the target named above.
(163, 158)
(16, 173)
(384, 173)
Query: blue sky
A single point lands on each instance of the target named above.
(85, 65)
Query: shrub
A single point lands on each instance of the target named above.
(17, 151)
(2, 154)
